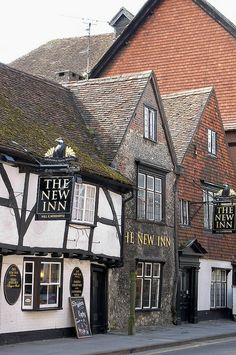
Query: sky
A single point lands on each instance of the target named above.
(27, 24)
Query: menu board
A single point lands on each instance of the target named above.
(80, 317)
(76, 283)
(12, 284)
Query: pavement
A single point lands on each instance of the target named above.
(119, 343)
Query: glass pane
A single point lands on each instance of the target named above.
(43, 295)
(223, 275)
(146, 293)
(150, 205)
(158, 207)
(148, 269)
(157, 185)
(146, 122)
(140, 269)
(28, 289)
(28, 267)
(212, 295)
(28, 278)
(223, 295)
(141, 204)
(138, 302)
(156, 269)
(152, 124)
(150, 183)
(27, 300)
(217, 294)
(155, 293)
(141, 180)
(52, 294)
(55, 273)
(44, 273)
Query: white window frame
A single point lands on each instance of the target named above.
(150, 198)
(84, 205)
(143, 278)
(150, 123)
(36, 284)
(184, 213)
(212, 138)
(218, 283)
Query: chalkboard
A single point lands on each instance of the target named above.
(80, 317)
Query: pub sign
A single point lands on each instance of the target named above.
(224, 218)
(54, 197)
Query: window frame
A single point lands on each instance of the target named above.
(150, 278)
(208, 208)
(76, 209)
(142, 206)
(214, 288)
(150, 123)
(184, 217)
(36, 284)
(212, 142)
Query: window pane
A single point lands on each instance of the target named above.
(43, 295)
(212, 296)
(155, 293)
(150, 205)
(150, 183)
(158, 208)
(146, 122)
(138, 302)
(28, 278)
(140, 269)
(157, 185)
(28, 267)
(146, 293)
(55, 273)
(148, 269)
(156, 270)
(44, 272)
(141, 204)
(52, 294)
(141, 180)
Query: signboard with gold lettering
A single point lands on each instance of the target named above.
(76, 283)
(12, 284)
(147, 239)
(54, 197)
(224, 218)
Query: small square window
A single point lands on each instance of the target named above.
(150, 123)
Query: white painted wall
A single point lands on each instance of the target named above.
(106, 241)
(13, 319)
(204, 282)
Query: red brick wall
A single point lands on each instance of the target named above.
(187, 49)
(214, 170)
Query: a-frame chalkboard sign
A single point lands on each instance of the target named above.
(80, 317)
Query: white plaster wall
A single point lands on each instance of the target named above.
(13, 319)
(78, 237)
(117, 201)
(106, 241)
(104, 209)
(8, 228)
(204, 282)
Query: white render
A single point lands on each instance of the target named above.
(204, 282)
(12, 319)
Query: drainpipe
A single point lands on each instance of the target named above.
(176, 247)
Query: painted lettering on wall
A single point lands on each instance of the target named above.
(224, 219)
(54, 197)
(147, 239)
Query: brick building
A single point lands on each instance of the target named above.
(188, 44)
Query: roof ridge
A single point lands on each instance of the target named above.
(34, 77)
(187, 92)
(115, 78)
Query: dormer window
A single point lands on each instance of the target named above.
(150, 123)
(212, 142)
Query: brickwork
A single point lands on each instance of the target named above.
(187, 49)
(216, 170)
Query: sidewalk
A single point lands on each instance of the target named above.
(120, 343)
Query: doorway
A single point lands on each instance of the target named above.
(185, 295)
(98, 313)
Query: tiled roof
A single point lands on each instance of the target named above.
(34, 112)
(184, 107)
(64, 54)
(107, 106)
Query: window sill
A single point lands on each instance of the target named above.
(212, 156)
(147, 310)
(79, 223)
(150, 222)
(42, 309)
(150, 140)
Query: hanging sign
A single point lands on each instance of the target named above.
(54, 197)
(224, 218)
